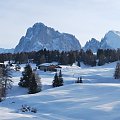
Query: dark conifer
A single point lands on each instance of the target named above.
(58, 80)
(117, 71)
(78, 63)
(24, 81)
(79, 80)
(55, 81)
(32, 84)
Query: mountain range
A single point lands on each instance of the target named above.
(39, 36)
(111, 40)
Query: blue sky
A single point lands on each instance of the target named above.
(83, 18)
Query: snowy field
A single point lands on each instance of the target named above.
(97, 98)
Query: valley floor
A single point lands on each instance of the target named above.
(97, 98)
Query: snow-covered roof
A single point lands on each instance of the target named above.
(49, 64)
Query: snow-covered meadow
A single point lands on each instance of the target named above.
(97, 98)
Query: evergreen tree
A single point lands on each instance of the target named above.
(58, 80)
(117, 71)
(71, 58)
(89, 58)
(55, 81)
(38, 81)
(78, 63)
(102, 60)
(5, 81)
(30, 80)
(60, 74)
(79, 80)
(24, 81)
(33, 88)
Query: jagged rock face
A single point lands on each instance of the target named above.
(40, 37)
(93, 44)
(111, 40)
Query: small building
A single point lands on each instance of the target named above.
(49, 67)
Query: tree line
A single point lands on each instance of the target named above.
(64, 58)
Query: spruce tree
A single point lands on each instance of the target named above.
(55, 81)
(24, 80)
(58, 80)
(30, 80)
(32, 84)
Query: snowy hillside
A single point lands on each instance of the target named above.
(97, 98)
(40, 36)
(73, 102)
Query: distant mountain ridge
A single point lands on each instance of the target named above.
(111, 40)
(92, 44)
(40, 37)
(3, 50)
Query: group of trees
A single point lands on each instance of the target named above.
(65, 58)
(58, 80)
(79, 80)
(107, 56)
(30, 80)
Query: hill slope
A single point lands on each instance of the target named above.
(73, 102)
(97, 98)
